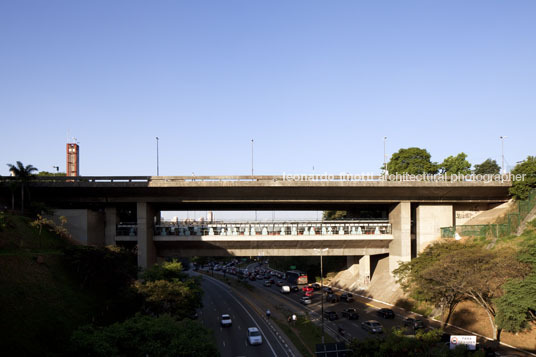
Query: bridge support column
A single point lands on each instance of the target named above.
(110, 223)
(146, 247)
(429, 220)
(400, 247)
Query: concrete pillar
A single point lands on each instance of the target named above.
(364, 267)
(400, 247)
(110, 223)
(429, 220)
(146, 247)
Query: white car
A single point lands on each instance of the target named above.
(254, 336)
(372, 326)
(226, 320)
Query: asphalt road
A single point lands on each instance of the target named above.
(352, 328)
(219, 299)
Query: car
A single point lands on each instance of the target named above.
(386, 313)
(332, 298)
(280, 283)
(294, 288)
(272, 281)
(350, 313)
(307, 288)
(347, 297)
(316, 286)
(372, 326)
(328, 290)
(285, 289)
(305, 300)
(414, 323)
(267, 283)
(254, 336)
(308, 294)
(226, 320)
(331, 315)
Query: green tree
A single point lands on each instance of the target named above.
(488, 167)
(411, 161)
(472, 273)
(456, 165)
(23, 173)
(418, 277)
(521, 189)
(516, 309)
(165, 271)
(46, 173)
(176, 297)
(333, 215)
(142, 336)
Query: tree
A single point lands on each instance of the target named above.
(177, 298)
(521, 189)
(488, 167)
(418, 278)
(462, 271)
(516, 309)
(332, 215)
(23, 173)
(411, 161)
(142, 336)
(456, 165)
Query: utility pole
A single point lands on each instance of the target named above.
(321, 287)
(157, 159)
(384, 156)
(502, 153)
(251, 157)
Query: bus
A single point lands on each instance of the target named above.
(296, 277)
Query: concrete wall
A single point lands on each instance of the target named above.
(95, 228)
(400, 247)
(110, 222)
(76, 223)
(146, 247)
(85, 226)
(430, 218)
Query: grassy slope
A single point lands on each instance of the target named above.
(39, 302)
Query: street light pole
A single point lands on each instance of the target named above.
(321, 287)
(251, 157)
(157, 159)
(502, 153)
(384, 157)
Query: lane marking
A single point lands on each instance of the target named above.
(247, 312)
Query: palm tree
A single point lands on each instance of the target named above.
(23, 173)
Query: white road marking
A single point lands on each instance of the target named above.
(247, 312)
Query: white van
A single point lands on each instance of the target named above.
(285, 289)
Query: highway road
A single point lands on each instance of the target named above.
(352, 328)
(219, 299)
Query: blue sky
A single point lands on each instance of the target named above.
(314, 83)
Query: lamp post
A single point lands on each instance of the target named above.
(251, 157)
(157, 159)
(502, 153)
(321, 286)
(384, 156)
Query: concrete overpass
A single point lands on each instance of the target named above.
(415, 209)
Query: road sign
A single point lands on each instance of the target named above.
(292, 267)
(468, 340)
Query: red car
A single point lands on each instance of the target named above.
(308, 289)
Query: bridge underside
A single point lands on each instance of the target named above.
(280, 246)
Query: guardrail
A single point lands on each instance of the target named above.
(244, 178)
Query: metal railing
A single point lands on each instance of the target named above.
(509, 225)
(227, 229)
(276, 229)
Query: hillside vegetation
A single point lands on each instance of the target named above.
(62, 299)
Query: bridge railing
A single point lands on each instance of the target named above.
(275, 229)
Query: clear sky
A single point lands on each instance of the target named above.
(314, 83)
